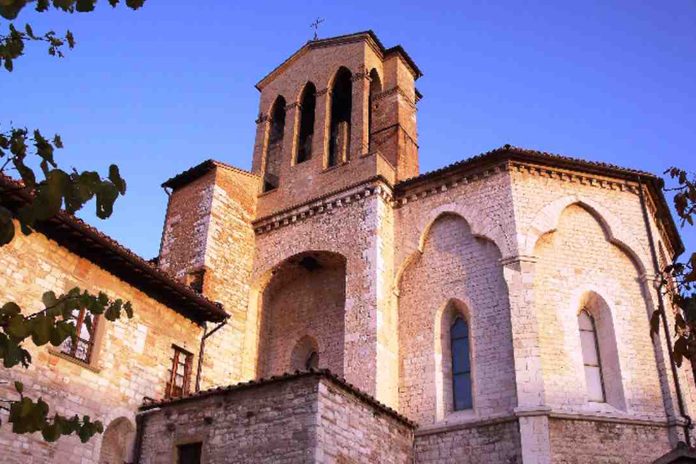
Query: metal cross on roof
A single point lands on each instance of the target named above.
(315, 26)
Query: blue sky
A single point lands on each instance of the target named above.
(161, 89)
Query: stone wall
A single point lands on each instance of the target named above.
(131, 358)
(304, 301)
(308, 418)
(495, 442)
(228, 262)
(597, 442)
(208, 229)
(449, 245)
(350, 227)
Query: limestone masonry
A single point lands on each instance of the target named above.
(333, 305)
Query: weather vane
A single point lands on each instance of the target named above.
(315, 26)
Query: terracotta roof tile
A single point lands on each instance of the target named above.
(87, 241)
(322, 373)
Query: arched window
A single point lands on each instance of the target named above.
(341, 108)
(305, 354)
(275, 145)
(312, 361)
(375, 89)
(277, 121)
(306, 134)
(591, 358)
(461, 365)
(117, 442)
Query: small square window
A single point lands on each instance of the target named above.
(189, 453)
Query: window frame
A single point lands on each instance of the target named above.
(91, 342)
(179, 446)
(469, 405)
(173, 371)
(598, 355)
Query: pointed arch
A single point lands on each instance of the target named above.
(480, 225)
(546, 220)
(274, 145)
(340, 110)
(453, 359)
(597, 339)
(373, 106)
(305, 354)
(305, 135)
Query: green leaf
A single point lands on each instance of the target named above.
(84, 6)
(49, 299)
(106, 196)
(116, 179)
(18, 327)
(41, 330)
(7, 229)
(10, 309)
(19, 386)
(29, 31)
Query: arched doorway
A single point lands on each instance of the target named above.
(117, 442)
(304, 300)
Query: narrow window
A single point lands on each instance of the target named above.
(341, 108)
(590, 356)
(312, 361)
(82, 346)
(194, 279)
(461, 365)
(375, 89)
(189, 453)
(275, 145)
(308, 104)
(277, 122)
(179, 374)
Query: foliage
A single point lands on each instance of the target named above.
(53, 324)
(679, 278)
(44, 198)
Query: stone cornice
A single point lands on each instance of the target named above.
(375, 186)
(395, 90)
(544, 411)
(575, 177)
(518, 259)
(445, 184)
(459, 177)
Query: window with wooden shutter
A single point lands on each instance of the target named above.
(179, 374)
(82, 347)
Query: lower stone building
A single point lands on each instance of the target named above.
(333, 305)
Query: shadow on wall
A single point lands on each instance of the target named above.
(302, 310)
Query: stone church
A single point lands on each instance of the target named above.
(335, 305)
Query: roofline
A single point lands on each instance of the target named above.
(196, 172)
(509, 153)
(338, 40)
(86, 241)
(325, 374)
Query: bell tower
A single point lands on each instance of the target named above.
(337, 112)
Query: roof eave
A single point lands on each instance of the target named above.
(87, 242)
